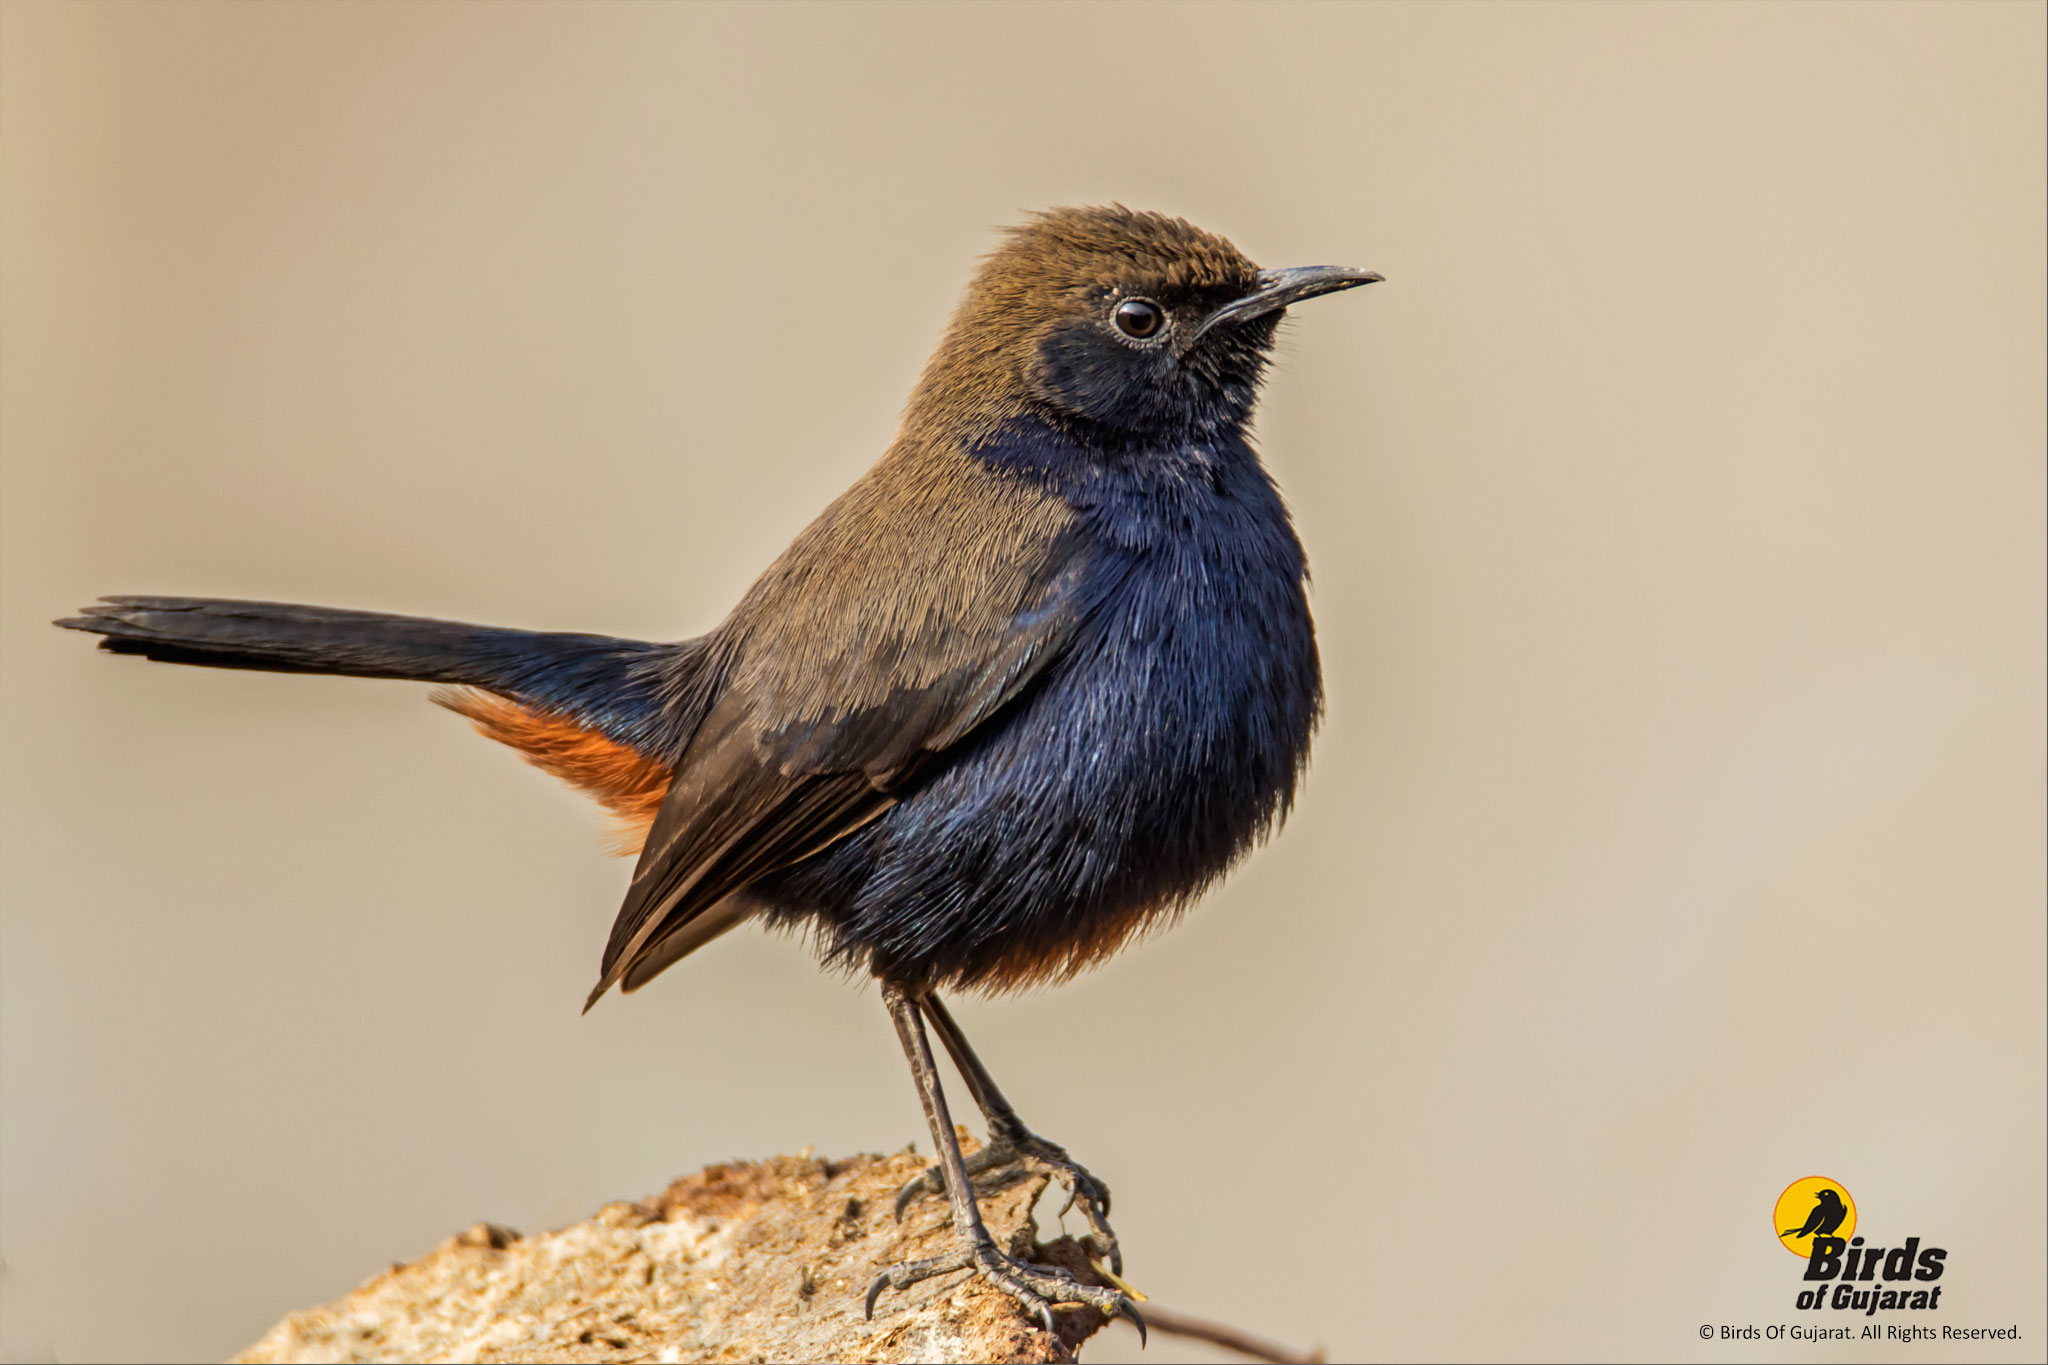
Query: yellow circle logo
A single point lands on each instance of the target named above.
(1812, 1206)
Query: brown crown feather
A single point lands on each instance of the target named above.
(1049, 267)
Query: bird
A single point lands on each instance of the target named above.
(1828, 1213)
(1036, 681)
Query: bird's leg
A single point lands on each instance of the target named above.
(1013, 1148)
(1037, 1288)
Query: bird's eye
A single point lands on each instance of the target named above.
(1140, 318)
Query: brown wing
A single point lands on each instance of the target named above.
(926, 598)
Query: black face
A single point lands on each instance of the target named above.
(1131, 359)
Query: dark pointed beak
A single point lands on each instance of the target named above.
(1279, 288)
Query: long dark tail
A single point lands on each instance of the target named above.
(625, 689)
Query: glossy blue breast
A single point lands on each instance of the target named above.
(1151, 756)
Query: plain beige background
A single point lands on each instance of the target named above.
(1677, 517)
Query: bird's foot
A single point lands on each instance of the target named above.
(1013, 1154)
(1036, 1288)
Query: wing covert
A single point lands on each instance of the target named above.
(863, 655)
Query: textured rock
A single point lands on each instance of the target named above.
(764, 1261)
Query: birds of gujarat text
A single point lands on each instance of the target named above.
(1032, 684)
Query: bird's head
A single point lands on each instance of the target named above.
(1135, 323)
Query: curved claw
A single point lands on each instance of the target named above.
(875, 1289)
(911, 1189)
(1128, 1311)
(1045, 1318)
(1087, 1187)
